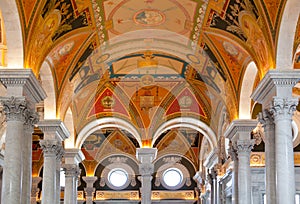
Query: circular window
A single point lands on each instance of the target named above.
(172, 177)
(118, 177)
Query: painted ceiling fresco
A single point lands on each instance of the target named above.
(149, 61)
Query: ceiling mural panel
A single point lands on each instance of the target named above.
(129, 15)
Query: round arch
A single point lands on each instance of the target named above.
(286, 36)
(109, 122)
(187, 122)
(246, 91)
(48, 86)
(13, 30)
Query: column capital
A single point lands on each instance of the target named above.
(15, 108)
(50, 147)
(275, 83)
(22, 82)
(244, 146)
(265, 118)
(90, 180)
(54, 129)
(283, 108)
(71, 170)
(146, 169)
(240, 126)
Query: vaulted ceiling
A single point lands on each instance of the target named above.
(148, 61)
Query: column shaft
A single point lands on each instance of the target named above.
(72, 172)
(270, 161)
(27, 163)
(244, 177)
(12, 172)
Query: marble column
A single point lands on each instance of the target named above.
(32, 118)
(146, 168)
(214, 195)
(23, 92)
(59, 156)
(239, 131)
(89, 190)
(35, 190)
(72, 171)
(274, 92)
(234, 187)
(54, 133)
(267, 121)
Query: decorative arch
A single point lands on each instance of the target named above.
(188, 123)
(48, 86)
(246, 91)
(286, 35)
(13, 30)
(108, 122)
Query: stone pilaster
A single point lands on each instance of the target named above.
(239, 131)
(274, 92)
(35, 190)
(146, 168)
(89, 190)
(72, 171)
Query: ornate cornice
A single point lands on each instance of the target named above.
(239, 126)
(54, 127)
(25, 78)
(275, 83)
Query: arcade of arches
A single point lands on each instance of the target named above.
(150, 101)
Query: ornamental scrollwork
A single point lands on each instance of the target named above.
(14, 108)
(72, 170)
(244, 146)
(146, 169)
(50, 147)
(283, 108)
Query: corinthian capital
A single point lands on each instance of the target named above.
(14, 108)
(244, 146)
(50, 147)
(283, 108)
(71, 170)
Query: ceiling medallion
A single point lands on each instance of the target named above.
(149, 17)
(185, 101)
(108, 102)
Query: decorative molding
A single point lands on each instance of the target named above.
(118, 160)
(128, 195)
(239, 126)
(54, 127)
(146, 169)
(232, 152)
(272, 81)
(25, 78)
